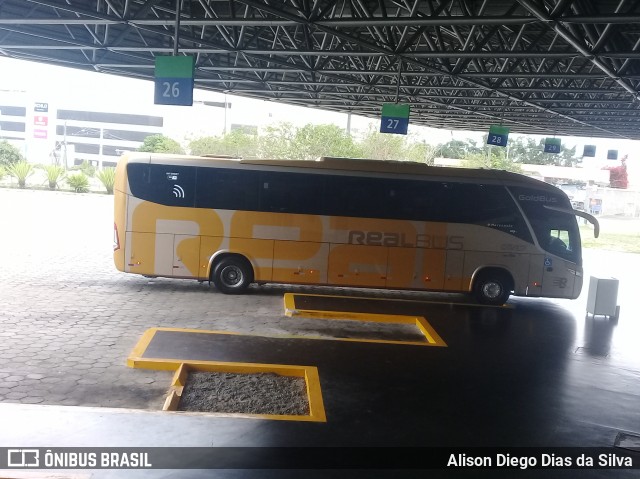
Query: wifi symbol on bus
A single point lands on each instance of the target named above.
(178, 192)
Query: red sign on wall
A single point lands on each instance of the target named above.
(40, 120)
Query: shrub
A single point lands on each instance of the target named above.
(108, 178)
(9, 154)
(78, 182)
(21, 171)
(55, 174)
(86, 168)
(2, 172)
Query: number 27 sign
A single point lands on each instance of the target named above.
(395, 119)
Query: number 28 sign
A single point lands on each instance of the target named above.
(395, 119)
(498, 135)
(174, 80)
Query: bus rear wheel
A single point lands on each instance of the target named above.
(232, 275)
(492, 288)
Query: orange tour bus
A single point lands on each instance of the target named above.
(346, 222)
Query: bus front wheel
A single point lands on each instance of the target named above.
(232, 275)
(492, 288)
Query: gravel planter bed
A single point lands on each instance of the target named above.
(256, 393)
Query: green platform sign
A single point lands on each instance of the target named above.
(395, 118)
(174, 80)
(552, 145)
(498, 135)
(589, 150)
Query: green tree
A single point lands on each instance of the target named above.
(205, 145)
(383, 146)
(531, 151)
(9, 154)
(314, 141)
(457, 149)
(421, 152)
(494, 158)
(236, 143)
(161, 144)
(277, 141)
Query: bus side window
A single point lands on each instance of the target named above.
(227, 189)
(291, 192)
(163, 184)
(363, 197)
(497, 210)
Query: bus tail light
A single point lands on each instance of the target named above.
(116, 238)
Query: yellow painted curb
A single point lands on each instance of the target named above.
(289, 301)
(182, 368)
(143, 343)
(430, 334)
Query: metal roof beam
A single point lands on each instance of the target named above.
(578, 45)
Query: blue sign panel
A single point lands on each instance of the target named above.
(395, 119)
(552, 145)
(498, 135)
(174, 91)
(589, 150)
(174, 80)
(399, 126)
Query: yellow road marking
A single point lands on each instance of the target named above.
(290, 300)
(432, 337)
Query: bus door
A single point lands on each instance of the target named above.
(553, 272)
(552, 277)
(557, 278)
(558, 269)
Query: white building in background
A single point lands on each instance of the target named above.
(101, 137)
(13, 118)
(46, 133)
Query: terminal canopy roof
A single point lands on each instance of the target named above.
(564, 67)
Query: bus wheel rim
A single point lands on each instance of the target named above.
(231, 276)
(492, 290)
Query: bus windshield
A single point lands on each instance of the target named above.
(557, 233)
(556, 229)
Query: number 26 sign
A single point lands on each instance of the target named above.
(174, 80)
